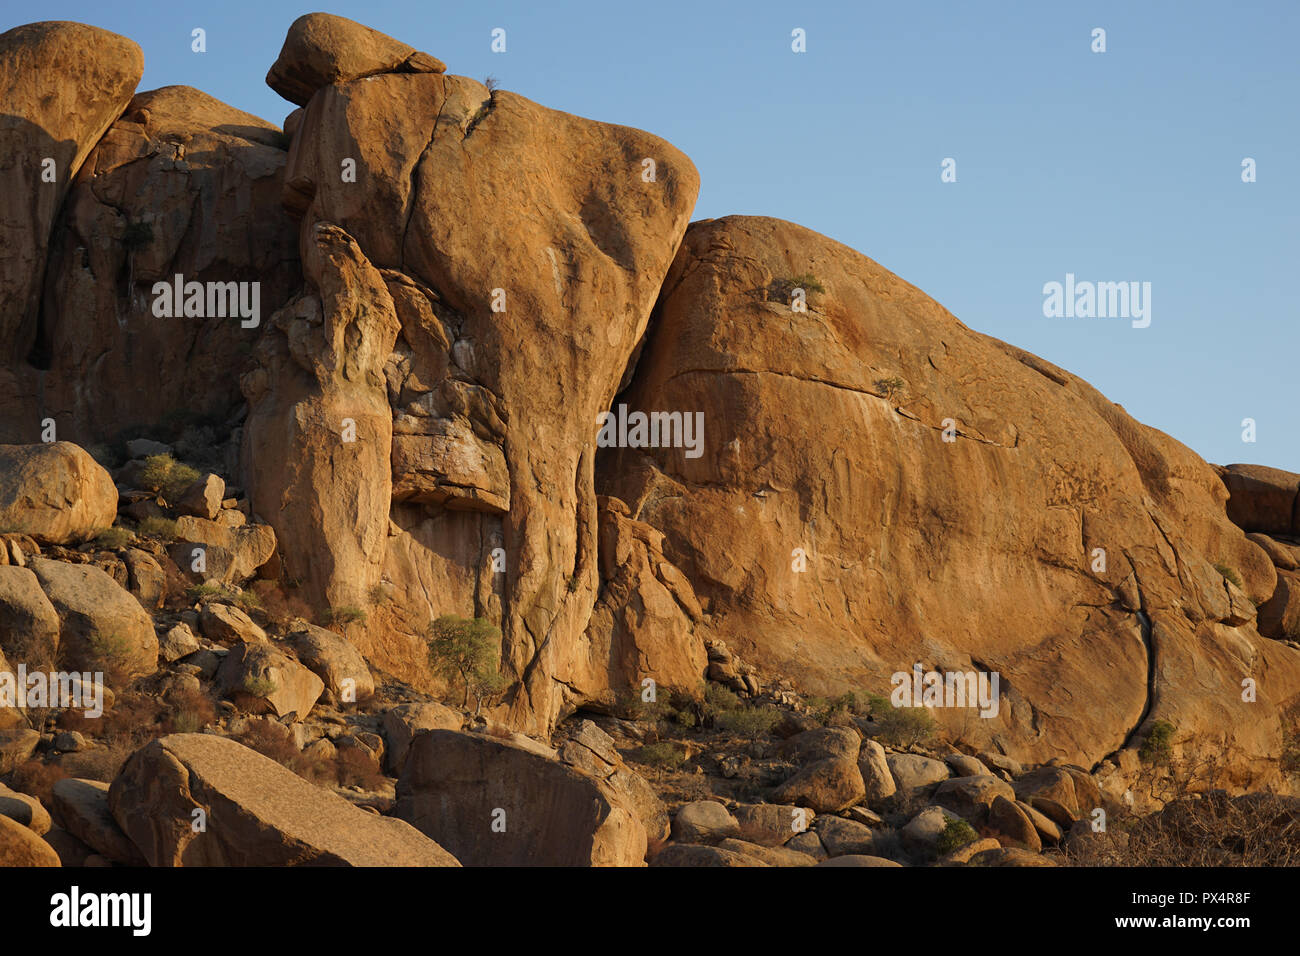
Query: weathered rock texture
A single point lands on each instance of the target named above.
(103, 628)
(492, 803)
(515, 332)
(56, 493)
(975, 554)
(61, 85)
(183, 185)
(322, 49)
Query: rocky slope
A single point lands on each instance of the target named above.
(247, 520)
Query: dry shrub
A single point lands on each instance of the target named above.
(100, 763)
(356, 767)
(281, 606)
(37, 778)
(270, 739)
(133, 720)
(191, 712)
(1212, 829)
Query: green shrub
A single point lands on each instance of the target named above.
(168, 477)
(243, 599)
(114, 538)
(109, 654)
(900, 726)
(664, 755)
(345, 615)
(202, 592)
(825, 709)
(1229, 573)
(1158, 747)
(164, 529)
(749, 721)
(258, 686)
(892, 387)
(717, 701)
(956, 834)
(471, 650)
(784, 288)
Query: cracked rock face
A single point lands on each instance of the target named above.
(522, 249)
(825, 432)
(61, 85)
(180, 184)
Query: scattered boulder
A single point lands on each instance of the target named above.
(831, 781)
(922, 832)
(179, 641)
(25, 809)
(146, 579)
(809, 844)
(704, 821)
(336, 661)
(231, 554)
(102, 626)
(1010, 856)
(258, 813)
(964, 765)
(592, 751)
(913, 770)
(493, 803)
(1261, 498)
(1013, 826)
(1050, 786)
(963, 854)
(772, 823)
(858, 859)
(403, 722)
(29, 625)
(971, 797)
(54, 492)
(771, 855)
(876, 775)
(70, 850)
(19, 846)
(695, 854)
(228, 624)
(321, 49)
(843, 837)
(82, 808)
(258, 670)
(203, 498)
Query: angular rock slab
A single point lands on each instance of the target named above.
(258, 813)
(454, 786)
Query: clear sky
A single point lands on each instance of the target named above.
(1115, 166)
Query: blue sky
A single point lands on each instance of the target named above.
(1115, 166)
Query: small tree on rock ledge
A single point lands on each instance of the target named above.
(470, 649)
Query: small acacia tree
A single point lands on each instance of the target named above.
(469, 649)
